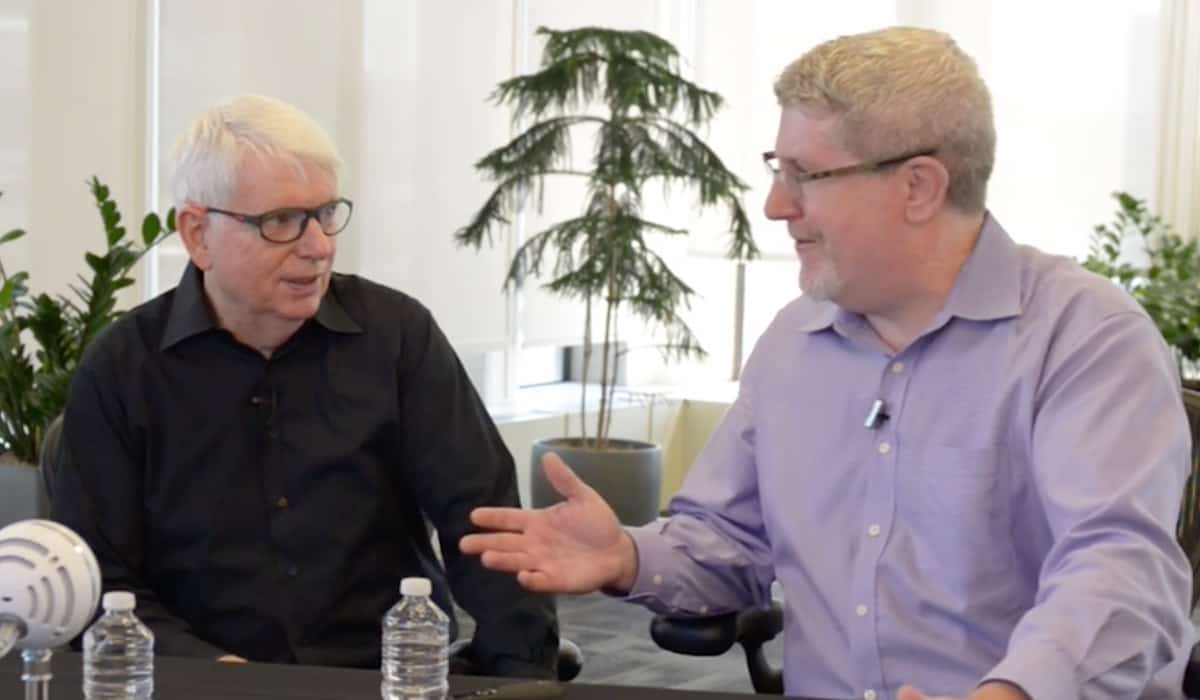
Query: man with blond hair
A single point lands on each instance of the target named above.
(931, 447)
(257, 453)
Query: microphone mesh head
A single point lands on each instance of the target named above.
(49, 581)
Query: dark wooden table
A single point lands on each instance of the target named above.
(198, 679)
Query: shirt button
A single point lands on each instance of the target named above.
(869, 695)
(873, 530)
(273, 434)
(860, 610)
(282, 502)
(703, 609)
(897, 368)
(293, 570)
(884, 448)
(658, 579)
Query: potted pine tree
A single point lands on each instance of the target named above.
(627, 87)
(42, 339)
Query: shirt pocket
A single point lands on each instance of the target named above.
(957, 510)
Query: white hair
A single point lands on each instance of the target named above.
(206, 157)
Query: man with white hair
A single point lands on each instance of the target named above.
(258, 453)
(961, 457)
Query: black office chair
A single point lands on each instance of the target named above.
(713, 635)
(463, 661)
(1191, 674)
(48, 458)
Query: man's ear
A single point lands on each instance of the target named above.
(192, 223)
(927, 182)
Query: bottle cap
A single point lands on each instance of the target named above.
(119, 601)
(415, 585)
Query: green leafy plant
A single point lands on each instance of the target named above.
(626, 86)
(1166, 284)
(42, 337)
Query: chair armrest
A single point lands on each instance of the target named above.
(570, 660)
(757, 626)
(713, 635)
(710, 635)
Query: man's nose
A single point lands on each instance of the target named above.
(781, 205)
(313, 243)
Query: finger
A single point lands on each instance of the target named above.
(910, 693)
(512, 519)
(231, 659)
(562, 478)
(497, 542)
(538, 582)
(512, 562)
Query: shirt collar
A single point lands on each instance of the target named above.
(820, 316)
(988, 286)
(190, 314)
(333, 315)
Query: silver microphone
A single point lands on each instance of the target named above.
(49, 588)
(49, 583)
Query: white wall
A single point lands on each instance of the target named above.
(15, 126)
(1076, 93)
(72, 83)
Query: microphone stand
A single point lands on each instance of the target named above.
(37, 673)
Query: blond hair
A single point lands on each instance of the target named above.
(207, 155)
(901, 90)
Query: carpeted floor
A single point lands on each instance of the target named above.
(617, 649)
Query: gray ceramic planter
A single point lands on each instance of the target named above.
(20, 491)
(628, 475)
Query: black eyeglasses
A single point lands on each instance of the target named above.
(793, 181)
(287, 225)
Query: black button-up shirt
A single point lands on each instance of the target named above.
(269, 507)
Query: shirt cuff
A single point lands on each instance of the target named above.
(648, 547)
(651, 548)
(656, 585)
(1043, 671)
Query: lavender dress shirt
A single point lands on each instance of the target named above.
(1013, 518)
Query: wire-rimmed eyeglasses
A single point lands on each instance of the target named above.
(288, 224)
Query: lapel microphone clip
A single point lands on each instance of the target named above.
(877, 415)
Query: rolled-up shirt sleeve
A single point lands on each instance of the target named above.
(713, 554)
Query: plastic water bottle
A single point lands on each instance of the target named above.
(415, 637)
(118, 653)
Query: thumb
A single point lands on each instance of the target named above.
(562, 478)
(910, 693)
